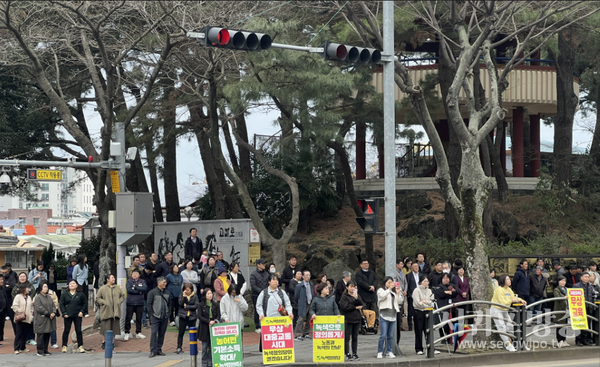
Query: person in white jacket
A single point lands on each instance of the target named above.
(389, 298)
(233, 307)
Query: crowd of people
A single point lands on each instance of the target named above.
(203, 289)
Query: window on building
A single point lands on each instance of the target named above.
(20, 205)
(45, 197)
(19, 259)
(23, 220)
(45, 187)
(27, 206)
(36, 222)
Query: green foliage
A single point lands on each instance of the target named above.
(203, 208)
(547, 245)
(61, 269)
(48, 255)
(553, 201)
(434, 248)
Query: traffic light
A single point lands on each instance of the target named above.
(235, 39)
(350, 54)
(369, 222)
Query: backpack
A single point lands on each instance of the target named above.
(267, 296)
(208, 277)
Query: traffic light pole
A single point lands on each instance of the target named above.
(389, 151)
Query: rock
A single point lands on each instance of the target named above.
(532, 234)
(315, 263)
(296, 239)
(348, 257)
(335, 269)
(329, 253)
(505, 226)
(414, 203)
(378, 253)
(303, 247)
(423, 227)
(351, 242)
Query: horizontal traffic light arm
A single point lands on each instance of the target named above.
(229, 41)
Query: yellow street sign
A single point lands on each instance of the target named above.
(44, 175)
(114, 181)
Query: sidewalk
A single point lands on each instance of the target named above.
(136, 351)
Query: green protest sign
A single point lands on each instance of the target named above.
(226, 343)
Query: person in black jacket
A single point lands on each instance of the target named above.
(158, 311)
(209, 313)
(367, 287)
(424, 267)
(288, 274)
(444, 293)
(341, 285)
(584, 338)
(136, 289)
(73, 305)
(10, 281)
(148, 277)
(537, 288)
(350, 306)
(193, 244)
(3, 307)
(52, 277)
(164, 268)
(572, 276)
(521, 282)
(188, 306)
(412, 282)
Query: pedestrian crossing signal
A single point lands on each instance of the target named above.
(369, 222)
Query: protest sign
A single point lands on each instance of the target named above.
(328, 339)
(226, 343)
(577, 309)
(277, 340)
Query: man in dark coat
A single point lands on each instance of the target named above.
(340, 287)
(193, 244)
(584, 338)
(10, 281)
(288, 274)
(423, 265)
(366, 281)
(521, 282)
(412, 282)
(435, 277)
(164, 268)
(3, 306)
(259, 280)
(572, 276)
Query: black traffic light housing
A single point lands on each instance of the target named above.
(369, 222)
(351, 54)
(235, 39)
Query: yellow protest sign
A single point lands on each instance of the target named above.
(577, 309)
(328, 339)
(277, 340)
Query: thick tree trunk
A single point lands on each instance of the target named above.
(595, 147)
(229, 144)
(244, 155)
(566, 106)
(446, 74)
(501, 183)
(340, 182)
(170, 175)
(342, 155)
(151, 160)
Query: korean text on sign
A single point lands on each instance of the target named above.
(226, 344)
(577, 309)
(277, 340)
(328, 339)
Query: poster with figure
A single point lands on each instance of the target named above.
(328, 339)
(229, 236)
(226, 344)
(277, 340)
(577, 309)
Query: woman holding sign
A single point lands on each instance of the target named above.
(350, 305)
(389, 298)
(323, 304)
(209, 315)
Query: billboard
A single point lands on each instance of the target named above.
(232, 236)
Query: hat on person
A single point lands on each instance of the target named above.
(260, 261)
(220, 270)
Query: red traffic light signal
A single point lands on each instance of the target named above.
(369, 222)
(351, 54)
(235, 39)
